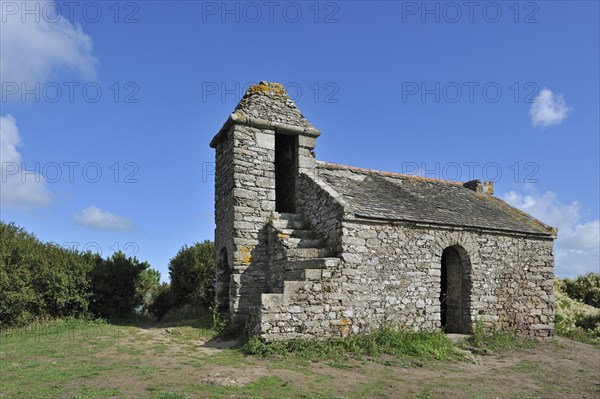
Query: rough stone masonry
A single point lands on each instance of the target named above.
(308, 249)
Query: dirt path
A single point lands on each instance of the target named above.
(560, 368)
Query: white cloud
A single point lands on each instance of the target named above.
(577, 249)
(34, 45)
(18, 189)
(548, 109)
(98, 219)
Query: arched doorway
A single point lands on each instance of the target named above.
(455, 290)
(223, 280)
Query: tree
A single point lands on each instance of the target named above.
(163, 301)
(146, 288)
(585, 289)
(116, 285)
(192, 273)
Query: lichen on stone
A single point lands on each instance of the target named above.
(246, 254)
(266, 88)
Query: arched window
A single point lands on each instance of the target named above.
(223, 281)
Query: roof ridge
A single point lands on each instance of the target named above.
(394, 174)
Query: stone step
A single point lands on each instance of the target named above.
(286, 216)
(281, 224)
(272, 301)
(292, 287)
(303, 275)
(299, 242)
(316, 263)
(298, 233)
(307, 253)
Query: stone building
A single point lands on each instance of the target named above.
(313, 249)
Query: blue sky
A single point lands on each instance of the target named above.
(108, 108)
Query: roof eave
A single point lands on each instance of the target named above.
(551, 233)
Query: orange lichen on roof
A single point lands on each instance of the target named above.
(267, 88)
(391, 174)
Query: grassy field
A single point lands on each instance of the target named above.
(184, 360)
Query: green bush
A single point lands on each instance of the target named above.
(588, 321)
(192, 273)
(185, 312)
(565, 327)
(584, 289)
(44, 281)
(163, 302)
(119, 285)
(575, 319)
(40, 280)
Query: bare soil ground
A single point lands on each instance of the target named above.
(184, 363)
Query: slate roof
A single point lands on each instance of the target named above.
(390, 196)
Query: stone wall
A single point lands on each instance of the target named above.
(224, 182)
(394, 272)
(245, 199)
(390, 274)
(277, 261)
(322, 209)
(244, 205)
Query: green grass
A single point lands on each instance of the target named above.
(416, 345)
(44, 360)
(482, 340)
(81, 359)
(170, 395)
(139, 358)
(69, 329)
(567, 327)
(89, 393)
(524, 367)
(567, 330)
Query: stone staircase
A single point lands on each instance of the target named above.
(306, 261)
(305, 252)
